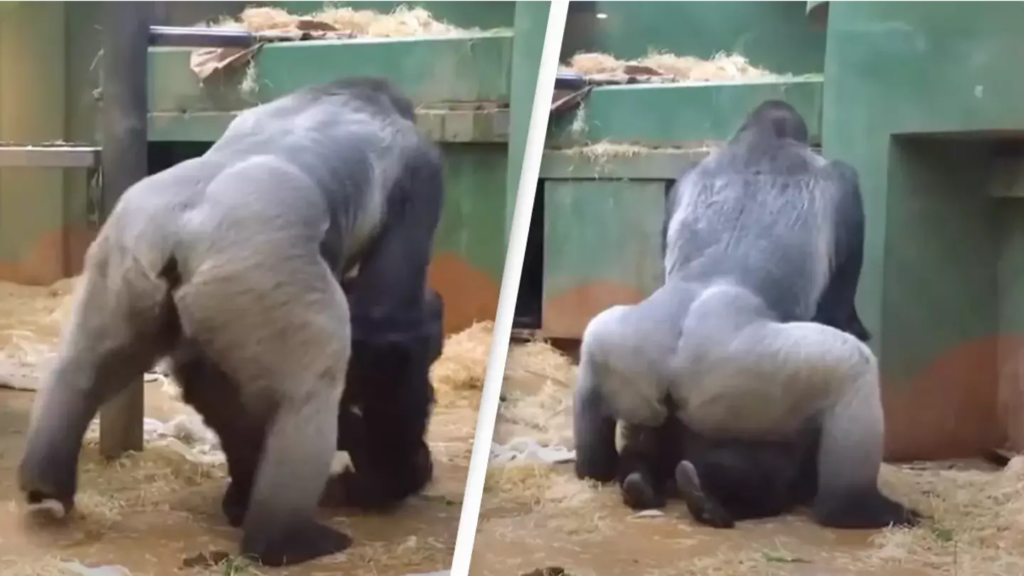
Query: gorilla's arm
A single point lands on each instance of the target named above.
(837, 307)
(671, 198)
(397, 329)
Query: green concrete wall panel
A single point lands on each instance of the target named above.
(490, 126)
(600, 233)
(899, 68)
(32, 110)
(774, 35)
(531, 23)
(655, 164)
(938, 222)
(428, 70)
(473, 218)
(674, 114)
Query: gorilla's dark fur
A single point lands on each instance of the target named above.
(721, 481)
(755, 340)
(384, 416)
(231, 264)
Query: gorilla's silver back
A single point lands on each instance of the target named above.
(762, 220)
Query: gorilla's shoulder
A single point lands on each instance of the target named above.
(367, 90)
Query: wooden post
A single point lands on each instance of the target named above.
(123, 117)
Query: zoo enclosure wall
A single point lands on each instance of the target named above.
(915, 96)
(49, 80)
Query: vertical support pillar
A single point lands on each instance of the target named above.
(124, 140)
(531, 22)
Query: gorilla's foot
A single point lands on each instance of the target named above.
(46, 484)
(639, 494)
(277, 546)
(702, 507)
(864, 510)
(235, 504)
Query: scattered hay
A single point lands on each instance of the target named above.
(458, 375)
(662, 66)
(329, 23)
(30, 324)
(36, 567)
(537, 392)
(403, 22)
(538, 487)
(601, 152)
(139, 481)
(977, 525)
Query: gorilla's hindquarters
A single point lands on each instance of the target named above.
(736, 368)
(288, 349)
(386, 408)
(121, 322)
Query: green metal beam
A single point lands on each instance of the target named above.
(447, 126)
(650, 164)
(531, 22)
(430, 70)
(674, 114)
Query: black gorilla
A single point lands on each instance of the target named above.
(385, 412)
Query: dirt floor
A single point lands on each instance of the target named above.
(538, 520)
(149, 512)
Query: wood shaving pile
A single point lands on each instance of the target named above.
(665, 67)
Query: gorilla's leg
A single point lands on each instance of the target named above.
(702, 507)
(288, 350)
(734, 370)
(593, 426)
(218, 399)
(748, 479)
(397, 327)
(615, 382)
(850, 452)
(641, 484)
(389, 385)
(806, 484)
(120, 325)
(744, 371)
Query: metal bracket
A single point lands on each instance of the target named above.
(63, 156)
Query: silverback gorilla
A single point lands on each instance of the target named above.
(232, 264)
(753, 339)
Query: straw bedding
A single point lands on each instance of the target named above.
(977, 515)
(331, 23)
(663, 67)
(177, 480)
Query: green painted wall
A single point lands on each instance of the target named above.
(65, 76)
(620, 222)
(918, 98)
(774, 35)
(901, 68)
(939, 221)
(32, 109)
(474, 206)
